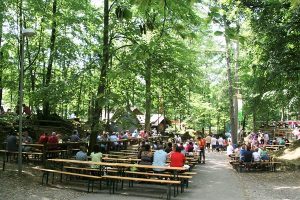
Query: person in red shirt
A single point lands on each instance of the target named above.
(53, 140)
(177, 159)
(43, 138)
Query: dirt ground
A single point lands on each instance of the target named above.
(257, 185)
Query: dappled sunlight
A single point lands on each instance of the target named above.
(39, 197)
(287, 187)
(291, 155)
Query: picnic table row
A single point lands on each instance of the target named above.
(241, 166)
(41, 152)
(116, 173)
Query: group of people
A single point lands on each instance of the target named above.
(248, 153)
(12, 140)
(160, 153)
(260, 139)
(112, 136)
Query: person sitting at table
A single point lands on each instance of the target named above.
(155, 145)
(146, 156)
(141, 147)
(53, 141)
(99, 137)
(135, 134)
(281, 141)
(168, 148)
(177, 159)
(189, 147)
(247, 154)
(263, 153)
(242, 152)
(75, 137)
(43, 138)
(286, 140)
(96, 155)
(159, 158)
(114, 138)
(11, 142)
(229, 149)
(256, 155)
(26, 139)
(81, 155)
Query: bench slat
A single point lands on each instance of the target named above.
(142, 179)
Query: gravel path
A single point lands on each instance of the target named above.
(215, 180)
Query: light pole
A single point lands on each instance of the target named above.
(25, 33)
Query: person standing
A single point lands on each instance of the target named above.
(213, 143)
(208, 141)
(202, 145)
(221, 143)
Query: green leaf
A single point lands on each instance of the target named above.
(218, 33)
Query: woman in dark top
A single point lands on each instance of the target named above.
(168, 149)
(146, 156)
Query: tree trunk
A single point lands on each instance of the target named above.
(46, 103)
(100, 98)
(148, 96)
(79, 96)
(1, 53)
(230, 88)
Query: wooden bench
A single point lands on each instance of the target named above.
(183, 178)
(107, 171)
(26, 154)
(113, 180)
(46, 172)
(189, 173)
(240, 166)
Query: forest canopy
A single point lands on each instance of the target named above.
(185, 59)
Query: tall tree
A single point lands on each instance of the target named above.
(46, 103)
(1, 52)
(100, 98)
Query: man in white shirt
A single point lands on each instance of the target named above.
(208, 142)
(256, 155)
(220, 141)
(213, 143)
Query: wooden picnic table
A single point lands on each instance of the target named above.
(120, 166)
(108, 164)
(121, 159)
(122, 153)
(274, 147)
